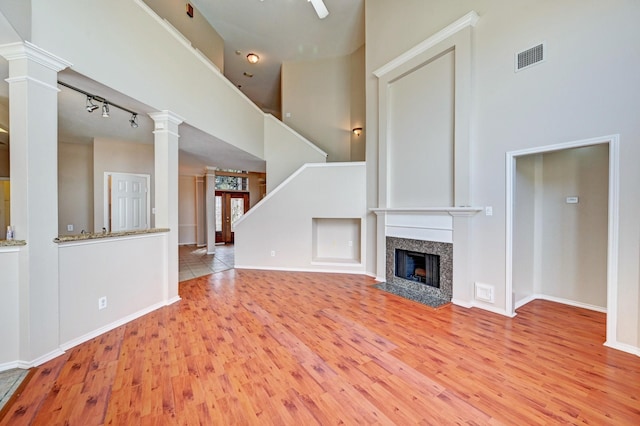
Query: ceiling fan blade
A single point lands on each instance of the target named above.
(320, 8)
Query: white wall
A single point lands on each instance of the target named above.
(146, 62)
(526, 237)
(316, 102)
(187, 218)
(118, 157)
(586, 88)
(75, 188)
(197, 29)
(421, 122)
(9, 307)
(358, 104)
(283, 222)
(112, 268)
(574, 236)
(285, 151)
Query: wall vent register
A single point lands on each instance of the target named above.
(530, 57)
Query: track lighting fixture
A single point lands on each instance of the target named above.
(91, 105)
(105, 110)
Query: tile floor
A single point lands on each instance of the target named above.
(9, 382)
(195, 262)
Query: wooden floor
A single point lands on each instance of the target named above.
(255, 347)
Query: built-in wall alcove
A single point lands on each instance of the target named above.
(336, 240)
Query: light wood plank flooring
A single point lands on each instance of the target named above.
(277, 348)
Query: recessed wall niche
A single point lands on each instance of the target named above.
(336, 240)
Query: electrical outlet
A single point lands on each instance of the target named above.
(273, 253)
(69, 228)
(488, 211)
(350, 243)
(102, 303)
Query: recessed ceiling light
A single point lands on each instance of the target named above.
(253, 58)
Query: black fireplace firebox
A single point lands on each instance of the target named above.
(418, 267)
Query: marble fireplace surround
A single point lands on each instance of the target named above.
(428, 225)
(444, 250)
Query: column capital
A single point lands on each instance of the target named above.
(26, 50)
(166, 116)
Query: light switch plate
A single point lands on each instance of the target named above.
(572, 200)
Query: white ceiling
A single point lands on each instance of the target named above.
(277, 30)
(280, 31)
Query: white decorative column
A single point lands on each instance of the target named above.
(210, 190)
(33, 125)
(166, 191)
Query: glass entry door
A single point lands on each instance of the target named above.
(230, 206)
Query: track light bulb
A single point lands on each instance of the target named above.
(134, 121)
(90, 105)
(105, 110)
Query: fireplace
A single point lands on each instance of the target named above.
(425, 267)
(419, 267)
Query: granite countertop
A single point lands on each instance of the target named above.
(100, 235)
(12, 243)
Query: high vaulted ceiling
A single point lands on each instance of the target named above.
(280, 31)
(276, 30)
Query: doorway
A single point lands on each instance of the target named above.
(126, 202)
(612, 144)
(230, 206)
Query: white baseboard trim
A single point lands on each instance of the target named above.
(276, 268)
(493, 309)
(36, 362)
(173, 300)
(372, 275)
(47, 357)
(533, 297)
(480, 305)
(520, 303)
(122, 321)
(461, 303)
(15, 364)
(623, 347)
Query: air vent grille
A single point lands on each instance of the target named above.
(530, 57)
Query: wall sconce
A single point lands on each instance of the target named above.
(253, 58)
(357, 131)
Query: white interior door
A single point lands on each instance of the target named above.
(128, 201)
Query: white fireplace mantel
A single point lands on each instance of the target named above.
(439, 224)
(453, 211)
